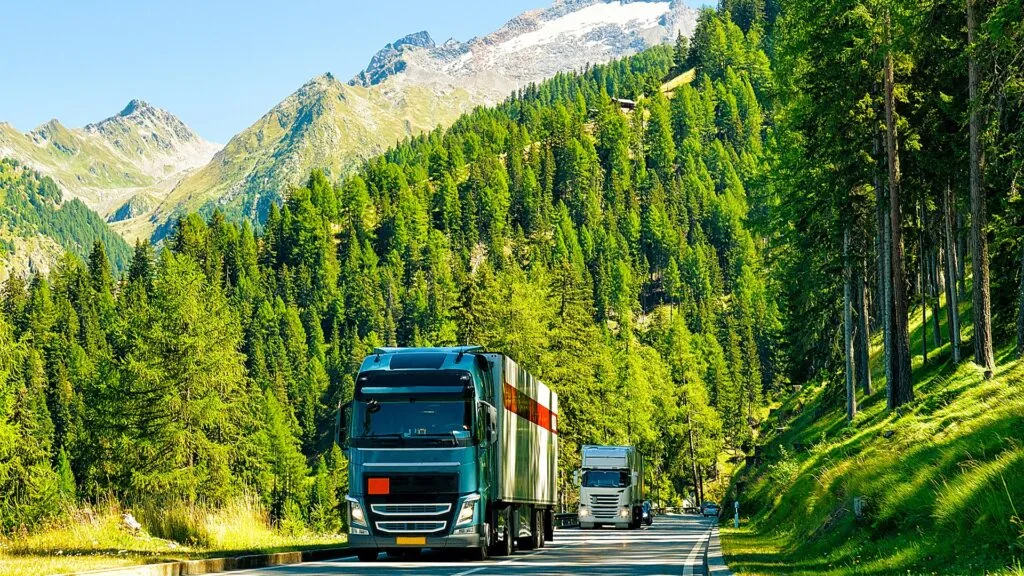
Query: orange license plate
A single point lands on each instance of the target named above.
(411, 541)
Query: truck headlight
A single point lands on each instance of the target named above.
(584, 511)
(624, 513)
(355, 512)
(467, 511)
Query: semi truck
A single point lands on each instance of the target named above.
(449, 448)
(611, 487)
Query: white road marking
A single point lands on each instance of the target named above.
(672, 546)
(698, 550)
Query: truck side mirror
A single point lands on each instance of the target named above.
(341, 430)
(636, 479)
(576, 477)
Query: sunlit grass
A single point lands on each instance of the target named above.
(93, 538)
(942, 479)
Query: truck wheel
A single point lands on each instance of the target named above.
(530, 542)
(478, 554)
(504, 542)
(549, 525)
(367, 555)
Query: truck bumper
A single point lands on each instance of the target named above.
(359, 541)
(617, 522)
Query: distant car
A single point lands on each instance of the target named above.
(709, 509)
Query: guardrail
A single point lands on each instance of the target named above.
(567, 520)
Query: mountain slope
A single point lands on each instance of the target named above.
(37, 226)
(140, 150)
(326, 124)
(410, 86)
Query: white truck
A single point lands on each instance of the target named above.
(611, 487)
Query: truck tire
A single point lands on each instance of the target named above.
(504, 541)
(367, 555)
(504, 545)
(549, 525)
(530, 542)
(478, 554)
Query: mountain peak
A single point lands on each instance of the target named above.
(134, 106)
(388, 60)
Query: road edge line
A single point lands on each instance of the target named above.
(226, 564)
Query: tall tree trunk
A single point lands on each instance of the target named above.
(1020, 308)
(880, 248)
(961, 250)
(700, 482)
(693, 463)
(983, 352)
(884, 267)
(901, 388)
(935, 283)
(922, 286)
(952, 298)
(862, 333)
(851, 391)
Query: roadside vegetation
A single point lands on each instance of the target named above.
(941, 480)
(94, 537)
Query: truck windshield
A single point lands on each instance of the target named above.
(606, 478)
(445, 421)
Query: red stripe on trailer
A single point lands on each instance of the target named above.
(522, 405)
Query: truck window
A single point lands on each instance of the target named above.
(605, 478)
(413, 417)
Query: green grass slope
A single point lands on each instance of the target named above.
(942, 479)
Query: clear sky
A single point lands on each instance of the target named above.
(218, 65)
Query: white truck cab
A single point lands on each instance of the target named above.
(611, 487)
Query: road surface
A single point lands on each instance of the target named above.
(673, 545)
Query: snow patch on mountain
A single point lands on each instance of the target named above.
(577, 24)
(533, 46)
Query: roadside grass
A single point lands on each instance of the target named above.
(94, 538)
(942, 479)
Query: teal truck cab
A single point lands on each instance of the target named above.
(449, 448)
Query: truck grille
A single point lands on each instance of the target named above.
(411, 527)
(410, 509)
(604, 506)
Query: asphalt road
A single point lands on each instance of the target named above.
(672, 545)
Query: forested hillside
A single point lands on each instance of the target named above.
(32, 206)
(892, 215)
(604, 247)
(896, 181)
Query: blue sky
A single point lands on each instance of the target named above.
(218, 65)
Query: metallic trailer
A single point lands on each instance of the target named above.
(449, 448)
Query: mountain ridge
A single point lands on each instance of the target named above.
(411, 85)
(141, 149)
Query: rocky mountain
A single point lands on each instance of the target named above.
(410, 86)
(535, 45)
(326, 124)
(142, 150)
